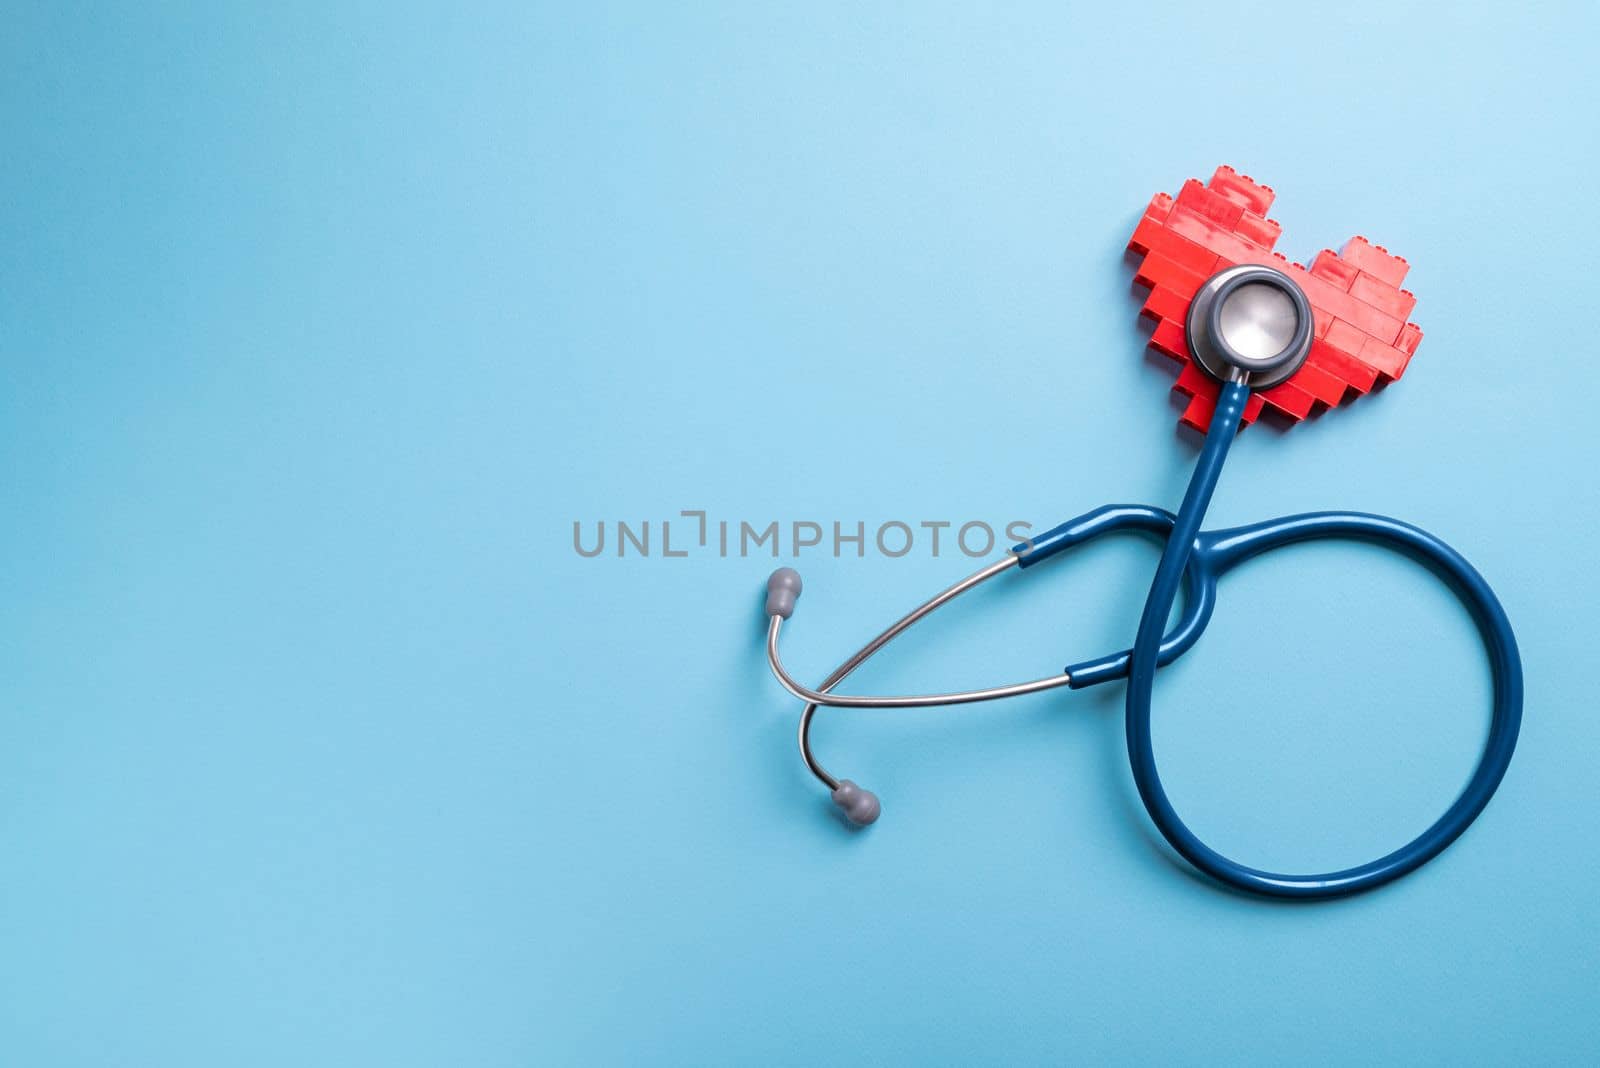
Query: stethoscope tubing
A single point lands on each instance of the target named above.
(1221, 550)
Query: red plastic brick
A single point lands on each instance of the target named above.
(1328, 266)
(1360, 313)
(1186, 279)
(1222, 241)
(1164, 303)
(1321, 381)
(1386, 359)
(1376, 260)
(1252, 195)
(1344, 366)
(1157, 239)
(1410, 338)
(1168, 339)
(1214, 206)
(1258, 230)
(1383, 296)
(1289, 399)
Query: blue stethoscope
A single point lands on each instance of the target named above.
(1250, 327)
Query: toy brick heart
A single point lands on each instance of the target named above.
(1362, 336)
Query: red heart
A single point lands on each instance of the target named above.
(1361, 339)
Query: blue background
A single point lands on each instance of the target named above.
(322, 325)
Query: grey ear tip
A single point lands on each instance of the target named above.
(859, 805)
(785, 578)
(783, 588)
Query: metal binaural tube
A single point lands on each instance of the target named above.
(932, 700)
(822, 695)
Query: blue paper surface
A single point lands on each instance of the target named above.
(323, 324)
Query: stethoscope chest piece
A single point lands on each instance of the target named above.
(1250, 323)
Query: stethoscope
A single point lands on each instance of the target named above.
(1250, 327)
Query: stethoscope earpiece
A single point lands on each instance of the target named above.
(859, 805)
(783, 590)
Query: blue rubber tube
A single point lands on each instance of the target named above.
(1214, 553)
(1199, 585)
